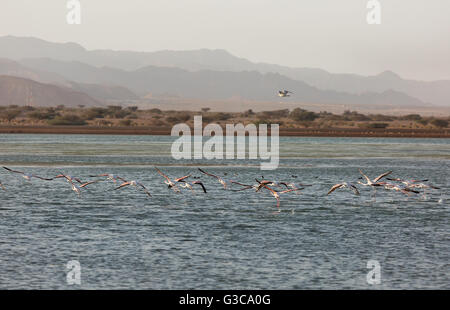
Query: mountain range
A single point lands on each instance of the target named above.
(202, 74)
(20, 91)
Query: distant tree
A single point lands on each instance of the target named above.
(412, 117)
(274, 114)
(43, 114)
(374, 125)
(302, 115)
(248, 113)
(125, 122)
(184, 117)
(115, 111)
(93, 113)
(10, 114)
(68, 119)
(156, 111)
(381, 117)
(132, 108)
(423, 122)
(204, 110)
(222, 116)
(441, 123)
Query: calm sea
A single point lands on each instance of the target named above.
(223, 239)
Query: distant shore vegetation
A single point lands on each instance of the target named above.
(118, 116)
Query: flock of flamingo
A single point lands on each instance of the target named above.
(407, 187)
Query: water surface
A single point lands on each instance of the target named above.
(224, 239)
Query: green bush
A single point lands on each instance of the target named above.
(423, 122)
(156, 111)
(412, 117)
(381, 118)
(222, 116)
(10, 114)
(172, 119)
(374, 125)
(274, 114)
(43, 114)
(441, 123)
(125, 122)
(67, 120)
(183, 117)
(302, 115)
(132, 108)
(94, 113)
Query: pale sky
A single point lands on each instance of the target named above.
(413, 39)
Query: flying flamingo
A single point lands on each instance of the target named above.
(172, 184)
(111, 177)
(77, 188)
(414, 183)
(344, 185)
(404, 189)
(294, 186)
(69, 178)
(27, 176)
(277, 194)
(244, 186)
(135, 184)
(373, 182)
(221, 181)
(189, 185)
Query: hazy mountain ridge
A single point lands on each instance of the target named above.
(20, 91)
(213, 85)
(97, 91)
(435, 92)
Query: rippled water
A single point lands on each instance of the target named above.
(222, 239)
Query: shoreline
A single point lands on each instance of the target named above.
(285, 132)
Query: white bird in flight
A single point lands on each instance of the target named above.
(414, 183)
(277, 194)
(111, 177)
(284, 93)
(135, 184)
(221, 181)
(172, 184)
(373, 182)
(404, 189)
(77, 188)
(185, 184)
(245, 186)
(69, 178)
(344, 185)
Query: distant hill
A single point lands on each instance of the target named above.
(13, 68)
(20, 91)
(105, 92)
(17, 48)
(212, 85)
(97, 91)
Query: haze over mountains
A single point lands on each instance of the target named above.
(202, 74)
(14, 90)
